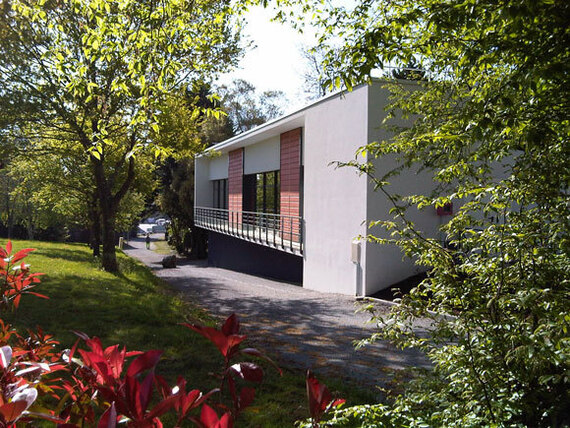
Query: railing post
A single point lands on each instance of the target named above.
(291, 234)
(274, 230)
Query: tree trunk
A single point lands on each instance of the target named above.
(108, 207)
(9, 215)
(94, 227)
(108, 197)
(30, 230)
(10, 223)
(29, 221)
(108, 211)
(96, 240)
(108, 258)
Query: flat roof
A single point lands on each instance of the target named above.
(283, 123)
(276, 126)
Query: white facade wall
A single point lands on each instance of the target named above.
(262, 157)
(203, 190)
(208, 168)
(334, 200)
(218, 166)
(385, 264)
(337, 203)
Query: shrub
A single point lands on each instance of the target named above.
(97, 384)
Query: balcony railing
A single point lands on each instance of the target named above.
(272, 230)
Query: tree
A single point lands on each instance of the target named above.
(176, 198)
(491, 126)
(7, 209)
(98, 73)
(57, 186)
(176, 175)
(409, 72)
(314, 86)
(245, 108)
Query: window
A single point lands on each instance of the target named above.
(261, 192)
(221, 193)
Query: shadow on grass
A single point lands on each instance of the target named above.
(131, 308)
(77, 253)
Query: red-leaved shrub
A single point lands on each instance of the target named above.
(98, 385)
(107, 385)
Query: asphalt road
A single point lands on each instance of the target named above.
(296, 326)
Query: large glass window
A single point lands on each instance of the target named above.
(261, 192)
(221, 193)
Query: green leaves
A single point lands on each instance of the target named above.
(490, 125)
(99, 73)
(121, 57)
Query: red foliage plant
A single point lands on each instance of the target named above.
(100, 374)
(320, 399)
(15, 279)
(228, 340)
(22, 366)
(91, 385)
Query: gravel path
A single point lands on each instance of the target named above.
(299, 327)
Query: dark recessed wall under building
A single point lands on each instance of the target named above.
(236, 254)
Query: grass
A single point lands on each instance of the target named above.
(138, 310)
(161, 247)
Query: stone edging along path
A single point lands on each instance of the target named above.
(299, 327)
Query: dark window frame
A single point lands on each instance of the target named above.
(262, 192)
(220, 193)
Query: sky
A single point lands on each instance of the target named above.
(275, 62)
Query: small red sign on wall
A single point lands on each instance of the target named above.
(445, 209)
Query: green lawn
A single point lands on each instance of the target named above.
(161, 247)
(136, 309)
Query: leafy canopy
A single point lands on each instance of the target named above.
(491, 125)
(246, 108)
(104, 74)
(104, 68)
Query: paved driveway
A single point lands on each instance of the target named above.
(299, 327)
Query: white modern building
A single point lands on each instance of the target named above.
(276, 206)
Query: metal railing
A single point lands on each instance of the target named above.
(273, 230)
